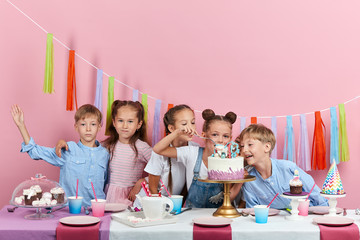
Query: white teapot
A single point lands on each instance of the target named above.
(155, 207)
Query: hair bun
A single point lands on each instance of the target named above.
(208, 114)
(231, 116)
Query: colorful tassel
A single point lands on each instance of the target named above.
(156, 125)
(170, 105)
(242, 123)
(274, 130)
(253, 120)
(98, 93)
(49, 65)
(334, 136)
(135, 95)
(71, 83)
(144, 102)
(344, 147)
(109, 103)
(318, 158)
(289, 145)
(304, 159)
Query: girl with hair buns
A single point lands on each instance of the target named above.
(219, 129)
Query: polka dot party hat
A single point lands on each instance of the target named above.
(333, 184)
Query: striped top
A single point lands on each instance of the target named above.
(125, 170)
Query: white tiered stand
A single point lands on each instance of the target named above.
(332, 202)
(294, 207)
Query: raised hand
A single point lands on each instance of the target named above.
(18, 115)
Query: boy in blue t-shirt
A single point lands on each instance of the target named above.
(272, 175)
(86, 160)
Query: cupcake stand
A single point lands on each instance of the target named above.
(332, 202)
(294, 204)
(227, 210)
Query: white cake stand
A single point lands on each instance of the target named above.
(332, 202)
(294, 206)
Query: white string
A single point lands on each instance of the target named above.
(106, 74)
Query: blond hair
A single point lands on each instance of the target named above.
(258, 132)
(87, 110)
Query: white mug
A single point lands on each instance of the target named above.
(155, 207)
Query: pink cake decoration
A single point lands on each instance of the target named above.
(333, 184)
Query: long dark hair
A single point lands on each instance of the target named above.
(111, 141)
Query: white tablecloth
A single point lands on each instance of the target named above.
(242, 228)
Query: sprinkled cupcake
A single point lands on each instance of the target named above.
(296, 184)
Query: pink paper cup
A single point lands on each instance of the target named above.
(98, 207)
(303, 207)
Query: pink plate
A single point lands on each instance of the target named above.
(321, 210)
(115, 207)
(212, 221)
(272, 211)
(79, 220)
(333, 221)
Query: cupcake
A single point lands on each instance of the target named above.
(38, 191)
(58, 194)
(29, 196)
(295, 184)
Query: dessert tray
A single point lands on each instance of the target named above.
(37, 188)
(137, 219)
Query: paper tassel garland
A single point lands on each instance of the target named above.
(318, 158)
(109, 103)
(49, 65)
(274, 130)
(344, 147)
(156, 125)
(289, 142)
(253, 120)
(144, 102)
(333, 184)
(98, 93)
(304, 159)
(135, 95)
(242, 123)
(334, 136)
(71, 83)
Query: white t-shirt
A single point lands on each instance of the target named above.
(159, 165)
(188, 156)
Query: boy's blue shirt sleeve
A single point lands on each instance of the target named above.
(37, 152)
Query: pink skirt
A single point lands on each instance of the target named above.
(116, 194)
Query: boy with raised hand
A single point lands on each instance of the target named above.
(272, 175)
(86, 160)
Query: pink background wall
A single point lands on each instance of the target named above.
(256, 58)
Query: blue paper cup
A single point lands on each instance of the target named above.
(261, 213)
(177, 200)
(75, 204)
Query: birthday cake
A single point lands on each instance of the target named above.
(225, 164)
(333, 184)
(296, 184)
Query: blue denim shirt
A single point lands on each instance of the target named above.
(261, 191)
(80, 162)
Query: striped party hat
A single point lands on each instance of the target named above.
(333, 184)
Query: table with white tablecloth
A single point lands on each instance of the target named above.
(242, 227)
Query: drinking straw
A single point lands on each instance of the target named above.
(310, 192)
(94, 191)
(143, 184)
(163, 185)
(77, 187)
(272, 200)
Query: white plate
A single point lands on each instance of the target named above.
(333, 221)
(115, 207)
(321, 210)
(272, 211)
(79, 220)
(123, 218)
(212, 221)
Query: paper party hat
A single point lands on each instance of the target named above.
(333, 184)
